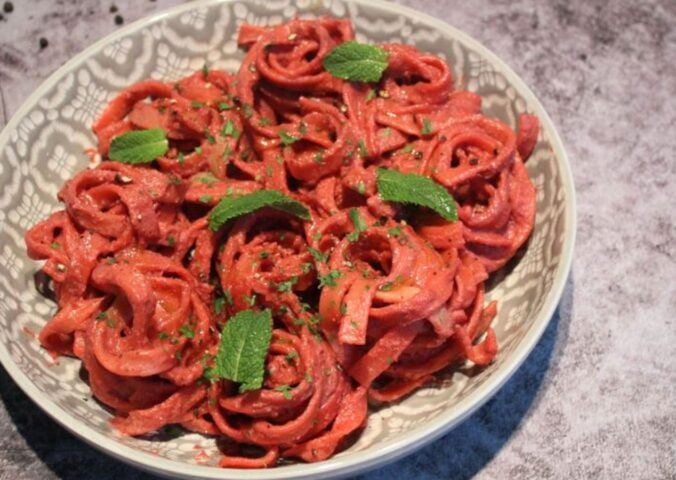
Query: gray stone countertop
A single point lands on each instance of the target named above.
(597, 397)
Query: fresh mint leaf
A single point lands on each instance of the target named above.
(139, 146)
(244, 345)
(395, 186)
(357, 62)
(231, 207)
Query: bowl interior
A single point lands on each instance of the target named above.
(44, 145)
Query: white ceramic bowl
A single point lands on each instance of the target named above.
(43, 145)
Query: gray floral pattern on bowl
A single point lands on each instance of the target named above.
(43, 145)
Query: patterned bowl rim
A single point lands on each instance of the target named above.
(389, 450)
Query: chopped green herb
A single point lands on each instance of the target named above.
(205, 70)
(196, 104)
(222, 106)
(229, 130)
(318, 157)
(408, 148)
(361, 146)
(359, 225)
(306, 267)
(198, 150)
(248, 110)
(343, 308)
(163, 335)
(317, 255)
(180, 158)
(227, 151)
(371, 94)
(427, 127)
(228, 297)
(302, 128)
(210, 137)
(395, 231)
(171, 240)
(101, 315)
(264, 254)
(55, 245)
(287, 286)
(286, 138)
(219, 304)
(291, 355)
(386, 287)
(329, 280)
(205, 198)
(187, 331)
(250, 299)
(207, 178)
(285, 390)
(264, 121)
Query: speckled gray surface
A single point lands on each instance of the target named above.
(597, 397)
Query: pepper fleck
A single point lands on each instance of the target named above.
(113, 8)
(8, 7)
(119, 20)
(43, 43)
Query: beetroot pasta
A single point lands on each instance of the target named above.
(261, 254)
